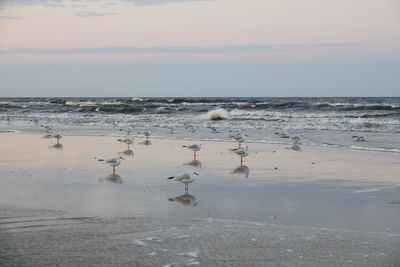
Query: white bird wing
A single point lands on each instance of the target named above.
(194, 146)
(183, 177)
(111, 161)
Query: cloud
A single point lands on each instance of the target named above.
(58, 3)
(157, 2)
(89, 14)
(11, 18)
(243, 48)
(32, 2)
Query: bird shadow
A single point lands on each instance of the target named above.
(243, 170)
(128, 152)
(185, 200)
(112, 178)
(57, 146)
(193, 163)
(146, 143)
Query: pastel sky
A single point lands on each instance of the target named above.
(200, 48)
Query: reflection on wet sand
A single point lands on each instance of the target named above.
(57, 146)
(242, 170)
(128, 152)
(185, 199)
(112, 178)
(146, 143)
(194, 163)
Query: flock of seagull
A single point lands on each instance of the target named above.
(185, 178)
(188, 177)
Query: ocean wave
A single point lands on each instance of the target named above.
(376, 149)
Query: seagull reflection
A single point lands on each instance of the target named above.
(112, 178)
(146, 142)
(242, 170)
(194, 163)
(57, 146)
(127, 152)
(185, 199)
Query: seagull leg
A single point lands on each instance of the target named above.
(240, 144)
(194, 155)
(186, 189)
(241, 161)
(113, 170)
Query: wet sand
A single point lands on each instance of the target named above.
(316, 207)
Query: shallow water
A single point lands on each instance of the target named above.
(34, 175)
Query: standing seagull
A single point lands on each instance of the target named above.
(242, 153)
(239, 137)
(185, 178)
(359, 138)
(57, 136)
(114, 162)
(127, 140)
(146, 133)
(194, 148)
(128, 130)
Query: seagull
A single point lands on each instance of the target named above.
(191, 128)
(128, 130)
(359, 138)
(238, 136)
(242, 153)
(194, 148)
(296, 138)
(171, 129)
(283, 135)
(35, 121)
(57, 136)
(146, 133)
(127, 140)
(47, 128)
(185, 178)
(296, 144)
(213, 129)
(114, 162)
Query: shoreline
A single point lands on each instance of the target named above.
(369, 164)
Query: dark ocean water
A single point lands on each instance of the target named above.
(322, 121)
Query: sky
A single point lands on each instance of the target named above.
(199, 48)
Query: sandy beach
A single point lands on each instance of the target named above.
(314, 207)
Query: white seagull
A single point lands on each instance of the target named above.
(128, 130)
(242, 153)
(194, 148)
(185, 178)
(296, 138)
(127, 140)
(57, 136)
(114, 162)
(238, 136)
(283, 135)
(359, 138)
(47, 128)
(146, 133)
